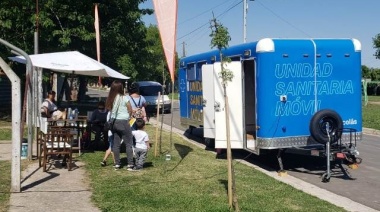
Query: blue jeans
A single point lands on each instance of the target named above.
(122, 130)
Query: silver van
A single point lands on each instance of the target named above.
(150, 89)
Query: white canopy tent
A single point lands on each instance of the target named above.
(72, 62)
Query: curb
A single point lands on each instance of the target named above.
(299, 184)
(370, 131)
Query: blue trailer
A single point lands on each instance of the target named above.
(284, 93)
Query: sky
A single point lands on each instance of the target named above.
(276, 19)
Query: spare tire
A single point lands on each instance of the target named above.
(318, 126)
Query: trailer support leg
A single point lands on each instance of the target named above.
(326, 176)
(345, 172)
(281, 172)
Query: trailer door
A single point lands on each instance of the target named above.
(235, 103)
(208, 78)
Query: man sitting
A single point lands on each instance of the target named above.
(98, 118)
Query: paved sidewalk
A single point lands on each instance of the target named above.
(55, 190)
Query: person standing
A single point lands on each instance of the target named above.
(142, 145)
(138, 103)
(121, 111)
(98, 118)
(109, 150)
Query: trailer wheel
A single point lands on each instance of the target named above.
(318, 126)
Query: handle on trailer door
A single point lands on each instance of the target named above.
(217, 106)
(204, 102)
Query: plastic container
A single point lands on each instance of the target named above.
(70, 113)
(24, 149)
(168, 157)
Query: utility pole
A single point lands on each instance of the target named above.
(183, 49)
(245, 8)
(245, 11)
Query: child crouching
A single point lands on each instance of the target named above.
(142, 145)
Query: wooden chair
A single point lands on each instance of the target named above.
(57, 141)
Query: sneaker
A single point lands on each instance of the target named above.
(129, 167)
(117, 167)
(103, 163)
(135, 169)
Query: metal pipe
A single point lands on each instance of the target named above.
(28, 89)
(16, 121)
(328, 150)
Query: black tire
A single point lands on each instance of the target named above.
(318, 126)
(209, 142)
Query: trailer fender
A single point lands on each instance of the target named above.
(318, 126)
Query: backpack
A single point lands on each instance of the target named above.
(137, 113)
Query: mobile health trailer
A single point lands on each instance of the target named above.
(285, 93)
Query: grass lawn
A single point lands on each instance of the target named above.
(371, 116)
(173, 96)
(373, 98)
(5, 182)
(193, 180)
(5, 134)
(5, 185)
(5, 123)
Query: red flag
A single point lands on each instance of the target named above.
(166, 14)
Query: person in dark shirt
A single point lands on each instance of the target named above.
(98, 118)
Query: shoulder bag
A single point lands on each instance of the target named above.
(109, 125)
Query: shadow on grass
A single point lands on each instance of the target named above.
(225, 183)
(183, 151)
(148, 164)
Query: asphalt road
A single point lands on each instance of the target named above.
(363, 185)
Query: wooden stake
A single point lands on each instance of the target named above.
(229, 153)
(157, 121)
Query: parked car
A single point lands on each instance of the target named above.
(150, 89)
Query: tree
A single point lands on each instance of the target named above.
(376, 45)
(366, 72)
(154, 66)
(219, 39)
(69, 25)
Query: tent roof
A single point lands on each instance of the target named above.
(72, 62)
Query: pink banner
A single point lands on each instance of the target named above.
(166, 14)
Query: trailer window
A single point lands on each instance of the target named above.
(235, 58)
(199, 70)
(191, 72)
(150, 90)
